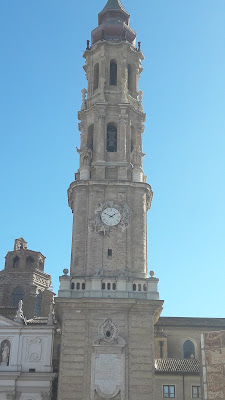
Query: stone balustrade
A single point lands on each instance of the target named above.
(103, 287)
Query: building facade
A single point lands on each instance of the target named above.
(26, 352)
(107, 306)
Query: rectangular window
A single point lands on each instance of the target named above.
(169, 391)
(196, 392)
(109, 252)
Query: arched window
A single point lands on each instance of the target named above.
(189, 349)
(17, 295)
(103, 286)
(78, 285)
(114, 286)
(83, 286)
(16, 262)
(38, 301)
(108, 286)
(96, 76)
(134, 287)
(90, 137)
(129, 77)
(111, 138)
(5, 353)
(113, 73)
(139, 287)
(29, 262)
(72, 285)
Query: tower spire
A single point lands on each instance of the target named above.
(113, 5)
(113, 24)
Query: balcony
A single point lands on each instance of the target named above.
(173, 365)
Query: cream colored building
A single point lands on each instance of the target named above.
(26, 352)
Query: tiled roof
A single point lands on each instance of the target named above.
(173, 365)
(191, 322)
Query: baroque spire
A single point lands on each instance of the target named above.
(113, 24)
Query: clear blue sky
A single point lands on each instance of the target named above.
(41, 77)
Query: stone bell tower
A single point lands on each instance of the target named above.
(107, 306)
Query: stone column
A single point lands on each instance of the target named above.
(102, 74)
(122, 134)
(83, 137)
(100, 134)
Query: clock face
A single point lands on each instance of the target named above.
(110, 216)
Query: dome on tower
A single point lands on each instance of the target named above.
(113, 24)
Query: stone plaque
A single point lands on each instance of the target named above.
(108, 373)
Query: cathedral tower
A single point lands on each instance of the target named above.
(107, 306)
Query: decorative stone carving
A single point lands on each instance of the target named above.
(34, 349)
(45, 396)
(124, 90)
(20, 244)
(136, 157)
(5, 352)
(102, 88)
(108, 363)
(140, 98)
(51, 315)
(85, 156)
(122, 273)
(19, 314)
(11, 396)
(84, 103)
(108, 331)
(98, 226)
(42, 281)
(98, 272)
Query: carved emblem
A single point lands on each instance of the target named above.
(97, 224)
(34, 350)
(108, 331)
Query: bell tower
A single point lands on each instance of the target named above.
(107, 305)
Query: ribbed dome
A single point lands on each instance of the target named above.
(113, 24)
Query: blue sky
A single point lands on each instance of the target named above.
(41, 78)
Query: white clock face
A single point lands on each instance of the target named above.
(110, 216)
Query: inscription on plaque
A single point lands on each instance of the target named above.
(107, 372)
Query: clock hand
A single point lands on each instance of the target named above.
(106, 213)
